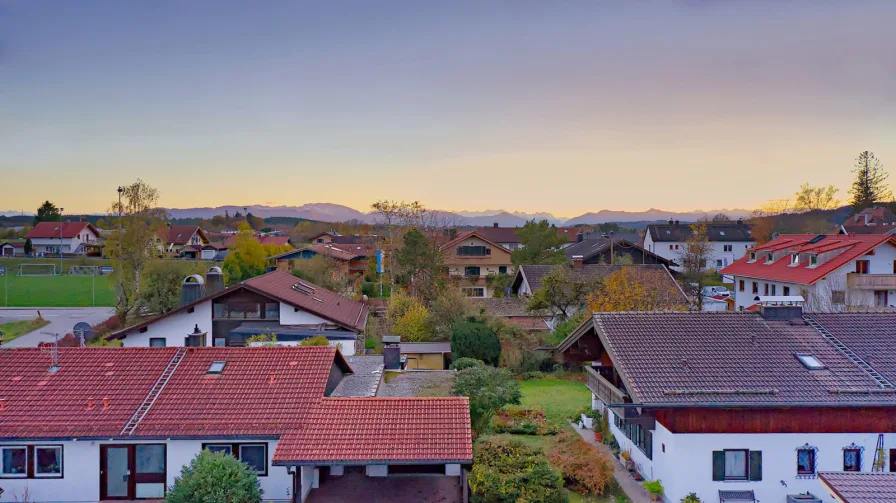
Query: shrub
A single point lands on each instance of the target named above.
(317, 340)
(449, 306)
(509, 472)
(413, 325)
(465, 363)
(583, 466)
(691, 498)
(263, 339)
(535, 374)
(522, 421)
(215, 477)
(473, 338)
(488, 389)
(653, 486)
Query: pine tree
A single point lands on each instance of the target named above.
(870, 185)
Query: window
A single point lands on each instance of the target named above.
(15, 461)
(474, 292)
(639, 435)
(220, 342)
(740, 286)
(721, 233)
(216, 367)
(786, 291)
(881, 298)
(862, 267)
(737, 464)
(805, 461)
(728, 248)
(676, 247)
(272, 311)
(718, 262)
(502, 269)
(810, 362)
(769, 257)
(752, 256)
(774, 287)
(755, 287)
(471, 270)
(157, 342)
(150, 458)
(852, 459)
(670, 247)
(254, 455)
(813, 260)
(794, 259)
(766, 289)
(838, 297)
(473, 251)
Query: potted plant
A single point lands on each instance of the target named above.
(636, 474)
(655, 488)
(691, 498)
(627, 461)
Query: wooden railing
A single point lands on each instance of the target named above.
(604, 389)
(871, 281)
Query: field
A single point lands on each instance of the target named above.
(56, 291)
(14, 329)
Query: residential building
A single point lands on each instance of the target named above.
(94, 424)
(878, 220)
(274, 303)
(178, 237)
(851, 487)
(750, 405)
(12, 249)
(471, 259)
(729, 241)
(508, 237)
(604, 250)
(77, 238)
(830, 271)
(351, 259)
(230, 242)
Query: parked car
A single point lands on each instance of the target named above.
(712, 291)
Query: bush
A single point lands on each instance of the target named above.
(653, 486)
(473, 338)
(449, 306)
(509, 472)
(413, 325)
(317, 340)
(534, 374)
(215, 478)
(488, 389)
(583, 466)
(263, 339)
(522, 421)
(465, 363)
(691, 498)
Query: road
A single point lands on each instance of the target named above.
(62, 320)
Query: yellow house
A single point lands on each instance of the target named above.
(426, 355)
(471, 259)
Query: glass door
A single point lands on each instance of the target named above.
(115, 473)
(135, 471)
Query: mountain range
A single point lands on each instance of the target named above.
(329, 212)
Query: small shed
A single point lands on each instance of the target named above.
(426, 355)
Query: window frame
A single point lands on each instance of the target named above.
(57, 475)
(858, 451)
(813, 462)
(468, 268)
(740, 285)
(236, 449)
(746, 477)
(23, 475)
(156, 339)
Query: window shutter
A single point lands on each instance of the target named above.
(718, 465)
(755, 465)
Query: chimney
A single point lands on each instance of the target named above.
(105, 403)
(577, 261)
(495, 225)
(391, 352)
(272, 378)
(214, 280)
(677, 223)
(90, 403)
(2, 404)
(671, 222)
(740, 221)
(867, 218)
(580, 237)
(193, 289)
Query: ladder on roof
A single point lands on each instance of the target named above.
(154, 392)
(849, 353)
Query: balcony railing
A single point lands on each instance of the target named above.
(871, 281)
(604, 389)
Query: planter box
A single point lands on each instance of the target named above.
(587, 422)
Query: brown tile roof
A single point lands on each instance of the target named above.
(730, 358)
(358, 430)
(870, 335)
(530, 323)
(44, 230)
(505, 306)
(468, 235)
(858, 487)
(181, 234)
(590, 247)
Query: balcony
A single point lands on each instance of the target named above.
(605, 390)
(871, 281)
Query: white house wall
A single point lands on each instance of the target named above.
(175, 327)
(81, 470)
(718, 258)
(289, 316)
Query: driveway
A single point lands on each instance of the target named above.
(62, 321)
(356, 487)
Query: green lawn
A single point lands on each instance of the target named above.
(14, 329)
(56, 291)
(560, 398)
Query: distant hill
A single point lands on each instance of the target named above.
(652, 215)
(325, 212)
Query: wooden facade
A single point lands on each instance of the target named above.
(778, 420)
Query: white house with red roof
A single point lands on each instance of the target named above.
(830, 271)
(63, 237)
(97, 424)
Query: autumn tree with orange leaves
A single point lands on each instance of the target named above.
(637, 288)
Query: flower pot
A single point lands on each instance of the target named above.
(598, 436)
(637, 476)
(588, 422)
(654, 497)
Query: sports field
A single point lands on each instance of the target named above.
(56, 291)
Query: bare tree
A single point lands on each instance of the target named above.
(693, 259)
(809, 198)
(397, 217)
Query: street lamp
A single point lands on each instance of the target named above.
(61, 225)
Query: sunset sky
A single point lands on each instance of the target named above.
(564, 107)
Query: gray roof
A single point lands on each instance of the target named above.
(588, 248)
(670, 292)
(365, 381)
(730, 231)
(419, 383)
(504, 307)
(859, 487)
(739, 358)
(425, 347)
(858, 331)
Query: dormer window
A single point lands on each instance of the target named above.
(217, 367)
(813, 260)
(769, 257)
(752, 256)
(795, 259)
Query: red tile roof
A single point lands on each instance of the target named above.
(853, 246)
(509, 234)
(242, 399)
(181, 234)
(858, 487)
(44, 230)
(381, 430)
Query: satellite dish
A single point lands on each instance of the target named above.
(82, 328)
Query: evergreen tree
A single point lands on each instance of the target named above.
(48, 212)
(870, 185)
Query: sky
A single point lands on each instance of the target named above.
(565, 107)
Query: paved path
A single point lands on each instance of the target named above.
(62, 320)
(632, 488)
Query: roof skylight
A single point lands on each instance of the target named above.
(810, 362)
(216, 367)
